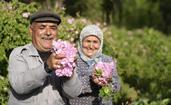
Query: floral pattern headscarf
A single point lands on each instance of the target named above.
(87, 31)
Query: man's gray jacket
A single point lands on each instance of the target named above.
(32, 85)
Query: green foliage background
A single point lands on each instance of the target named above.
(143, 55)
(128, 13)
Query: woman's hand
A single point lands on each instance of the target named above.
(99, 80)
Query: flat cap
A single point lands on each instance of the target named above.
(45, 16)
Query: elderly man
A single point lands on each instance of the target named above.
(31, 67)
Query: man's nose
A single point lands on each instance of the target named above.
(48, 32)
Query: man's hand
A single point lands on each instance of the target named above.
(54, 61)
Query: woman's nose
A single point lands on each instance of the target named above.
(91, 44)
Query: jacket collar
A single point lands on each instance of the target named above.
(32, 50)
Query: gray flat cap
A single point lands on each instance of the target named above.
(45, 16)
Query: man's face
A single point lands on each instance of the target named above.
(43, 33)
(91, 45)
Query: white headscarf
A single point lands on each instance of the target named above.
(87, 31)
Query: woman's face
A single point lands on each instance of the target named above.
(90, 45)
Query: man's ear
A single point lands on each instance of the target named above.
(31, 30)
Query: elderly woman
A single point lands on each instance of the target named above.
(89, 54)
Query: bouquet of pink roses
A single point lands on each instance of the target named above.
(103, 72)
(68, 64)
